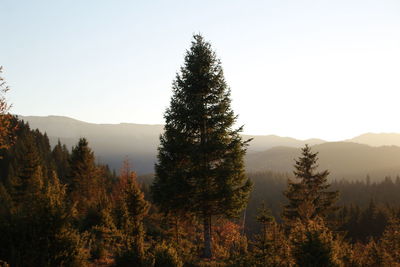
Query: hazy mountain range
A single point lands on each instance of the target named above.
(343, 160)
(374, 154)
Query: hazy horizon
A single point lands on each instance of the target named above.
(303, 69)
(244, 133)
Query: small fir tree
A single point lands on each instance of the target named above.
(105, 235)
(132, 211)
(271, 247)
(61, 158)
(390, 240)
(309, 197)
(313, 244)
(166, 256)
(84, 182)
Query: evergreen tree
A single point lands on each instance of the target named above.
(60, 155)
(84, 182)
(309, 197)
(28, 171)
(390, 240)
(374, 255)
(271, 247)
(200, 159)
(105, 234)
(166, 256)
(37, 229)
(313, 244)
(133, 209)
(265, 218)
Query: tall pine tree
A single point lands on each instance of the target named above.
(200, 159)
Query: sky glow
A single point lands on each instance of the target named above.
(323, 69)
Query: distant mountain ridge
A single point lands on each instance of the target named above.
(263, 142)
(343, 160)
(377, 139)
(112, 143)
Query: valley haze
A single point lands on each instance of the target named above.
(377, 155)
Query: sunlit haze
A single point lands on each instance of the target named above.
(323, 69)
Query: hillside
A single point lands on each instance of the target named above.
(343, 160)
(377, 139)
(113, 142)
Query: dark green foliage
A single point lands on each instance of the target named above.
(313, 244)
(84, 183)
(363, 224)
(83, 167)
(271, 247)
(309, 197)
(390, 241)
(373, 255)
(105, 235)
(35, 218)
(264, 244)
(200, 159)
(30, 150)
(37, 231)
(355, 195)
(61, 157)
(132, 210)
(166, 256)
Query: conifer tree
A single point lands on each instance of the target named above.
(313, 244)
(200, 159)
(37, 230)
(373, 254)
(133, 208)
(28, 171)
(105, 233)
(390, 240)
(84, 182)
(271, 247)
(60, 155)
(309, 197)
(166, 256)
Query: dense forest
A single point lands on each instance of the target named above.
(61, 207)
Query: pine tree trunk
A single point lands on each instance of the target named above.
(207, 237)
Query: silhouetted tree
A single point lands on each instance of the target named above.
(60, 155)
(309, 197)
(200, 159)
(84, 182)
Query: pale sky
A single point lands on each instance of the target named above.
(324, 69)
